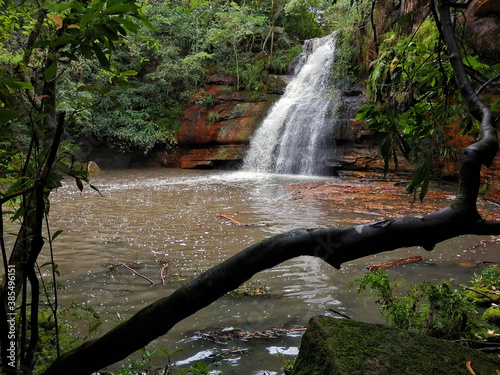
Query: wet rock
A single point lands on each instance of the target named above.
(217, 136)
(483, 28)
(93, 169)
(492, 315)
(346, 347)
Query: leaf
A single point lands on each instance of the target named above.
(57, 20)
(23, 85)
(40, 116)
(117, 9)
(129, 73)
(73, 26)
(79, 183)
(50, 72)
(96, 189)
(424, 188)
(58, 7)
(94, 327)
(56, 234)
(470, 368)
(101, 56)
(6, 115)
(128, 24)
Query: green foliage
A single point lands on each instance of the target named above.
(207, 101)
(146, 365)
(489, 278)
(411, 87)
(250, 290)
(213, 117)
(63, 338)
(434, 309)
(198, 368)
(283, 57)
(288, 364)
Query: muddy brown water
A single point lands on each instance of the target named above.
(149, 216)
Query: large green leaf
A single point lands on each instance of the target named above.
(50, 72)
(6, 115)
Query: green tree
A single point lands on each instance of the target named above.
(236, 25)
(45, 39)
(413, 94)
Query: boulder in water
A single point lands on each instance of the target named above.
(346, 347)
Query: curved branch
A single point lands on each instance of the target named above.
(483, 151)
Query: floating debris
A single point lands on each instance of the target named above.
(226, 336)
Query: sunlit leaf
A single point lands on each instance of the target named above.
(57, 20)
(129, 73)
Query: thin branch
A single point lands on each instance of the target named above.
(134, 271)
(487, 83)
(461, 5)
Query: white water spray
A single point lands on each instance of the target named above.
(297, 134)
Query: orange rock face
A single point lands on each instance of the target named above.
(218, 134)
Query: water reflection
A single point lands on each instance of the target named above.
(148, 216)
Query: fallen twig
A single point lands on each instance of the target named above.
(134, 271)
(164, 264)
(394, 263)
(341, 314)
(239, 223)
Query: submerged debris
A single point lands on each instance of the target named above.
(226, 336)
(395, 263)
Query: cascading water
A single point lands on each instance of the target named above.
(296, 136)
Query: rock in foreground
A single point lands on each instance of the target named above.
(333, 347)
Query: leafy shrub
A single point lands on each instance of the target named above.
(434, 309)
(213, 117)
(207, 101)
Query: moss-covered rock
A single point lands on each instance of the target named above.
(483, 296)
(492, 315)
(346, 347)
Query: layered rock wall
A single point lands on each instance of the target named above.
(217, 136)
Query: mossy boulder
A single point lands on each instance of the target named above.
(492, 315)
(345, 347)
(483, 296)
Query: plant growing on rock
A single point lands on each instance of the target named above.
(437, 310)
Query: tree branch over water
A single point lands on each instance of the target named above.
(335, 246)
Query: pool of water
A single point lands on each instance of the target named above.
(145, 218)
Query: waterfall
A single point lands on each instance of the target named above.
(296, 135)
